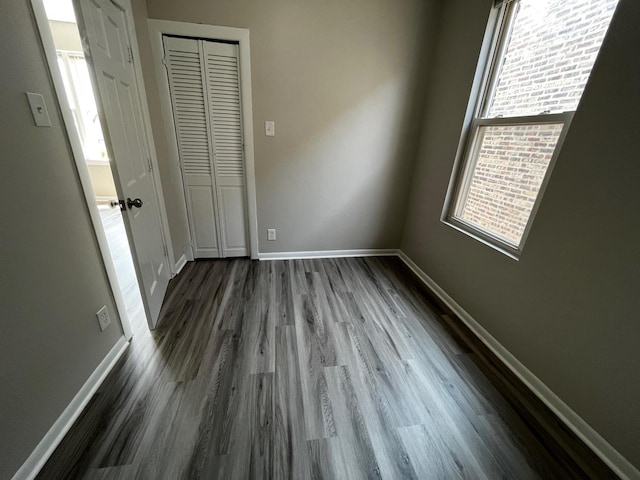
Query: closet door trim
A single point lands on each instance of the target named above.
(158, 28)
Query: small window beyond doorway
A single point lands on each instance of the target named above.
(77, 84)
(541, 58)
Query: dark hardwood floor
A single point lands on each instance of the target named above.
(332, 369)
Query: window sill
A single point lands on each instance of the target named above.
(493, 243)
(91, 161)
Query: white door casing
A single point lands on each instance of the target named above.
(103, 26)
(239, 36)
(204, 81)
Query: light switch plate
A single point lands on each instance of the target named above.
(270, 128)
(271, 234)
(38, 109)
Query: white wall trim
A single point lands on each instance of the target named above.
(81, 166)
(620, 465)
(365, 252)
(31, 467)
(157, 28)
(182, 261)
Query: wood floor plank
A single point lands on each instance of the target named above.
(378, 310)
(250, 451)
(352, 454)
(124, 472)
(230, 313)
(218, 392)
(259, 322)
(290, 461)
(301, 369)
(316, 350)
(284, 293)
(443, 410)
(381, 423)
(314, 353)
(335, 288)
(380, 372)
(172, 427)
(434, 456)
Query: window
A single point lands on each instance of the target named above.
(77, 85)
(541, 55)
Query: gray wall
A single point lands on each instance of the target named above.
(568, 310)
(344, 82)
(53, 280)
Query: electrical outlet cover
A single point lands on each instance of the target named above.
(103, 318)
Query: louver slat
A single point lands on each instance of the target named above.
(224, 101)
(189, 111)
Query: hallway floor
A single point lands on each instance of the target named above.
(121, 255)
(333, 368)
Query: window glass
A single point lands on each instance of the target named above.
(533, 80)
(77, 84)
(551, 50)
(510, 166)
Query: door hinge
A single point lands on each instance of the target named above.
(166, 252)
(149, 163)
(164, 62)
(130, 50)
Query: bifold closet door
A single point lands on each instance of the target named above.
(188, 98)
(205, 96)
(223, 87)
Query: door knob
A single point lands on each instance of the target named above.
(118, 203)
(134, 203)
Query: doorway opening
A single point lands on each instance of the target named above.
(80, 98)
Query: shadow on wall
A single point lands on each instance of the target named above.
(349, 161)
(354, 173)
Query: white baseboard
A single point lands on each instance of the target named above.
(620, 465)
(182, 261)
(364, 252)
(56, 433)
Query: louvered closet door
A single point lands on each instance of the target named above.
(222, 82)
(205, 95)
(183, 58)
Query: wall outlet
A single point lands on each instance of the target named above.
(271, 233)
(103, 318)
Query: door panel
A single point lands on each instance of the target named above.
(233, 208)
(200, 200)
(104, 25)
(184, 68)
(205, 96)
(223, 88)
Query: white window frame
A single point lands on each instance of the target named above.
(66, 56)
(492, 55)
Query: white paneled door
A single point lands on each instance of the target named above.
(205, 97)
(111, 59)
